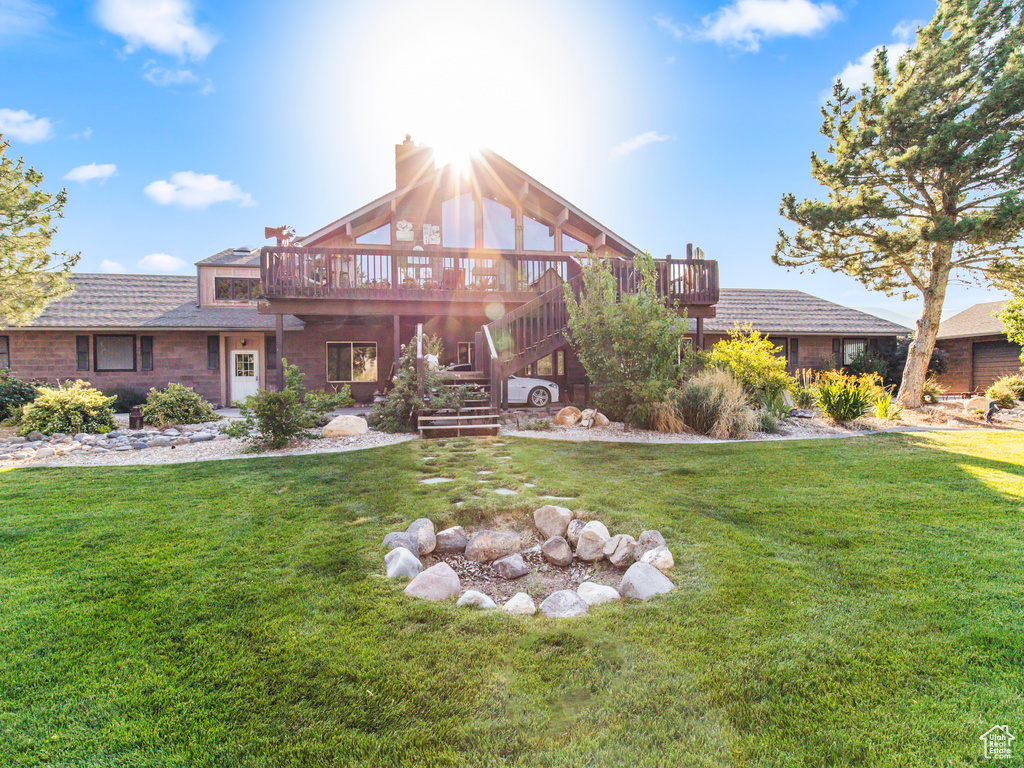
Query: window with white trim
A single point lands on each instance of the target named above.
(852, 348)
(351, 362)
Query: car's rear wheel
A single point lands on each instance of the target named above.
(539, 397)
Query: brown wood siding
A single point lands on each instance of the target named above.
(992, 360)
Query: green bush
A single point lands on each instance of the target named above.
(14, 393)
(867, 361)
(931, 391)
(714, 403)
(68, 408)
(1006, 391)
(273, 419)
(176, 404)
(753, 359)
(766, 422)
(887, 408)
(844, 398)
(125, 399)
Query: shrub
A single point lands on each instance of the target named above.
(766, 422)
(895, 356)
(887, 408)
(714, 403)
(125, 399)
(273, 419)
(1006, 391)
(69, 408)
(753, 359)
(804, 398)
(176, 404)
(931, 391)
(14, 393)
(844, 397)
(868, 361)
(776, 405)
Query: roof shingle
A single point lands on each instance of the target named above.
(794, 312)
(978, 320)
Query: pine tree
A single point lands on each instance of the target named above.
(926, 170)
(30, 276)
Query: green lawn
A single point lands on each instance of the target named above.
(840, 602)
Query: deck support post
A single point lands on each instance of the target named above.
(700, 333)
(279, 349)
(397, 341)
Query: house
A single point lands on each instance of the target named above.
(977, 348)
(810, 332)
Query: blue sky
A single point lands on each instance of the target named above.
(180, 128)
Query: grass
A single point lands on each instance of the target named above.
(840, 602)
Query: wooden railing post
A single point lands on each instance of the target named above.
(420, 375)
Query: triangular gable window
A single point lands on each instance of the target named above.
(537, 236)
(571, 245)
(457, 228)
(499, 226)
(379, 236)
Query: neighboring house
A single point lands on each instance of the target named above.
(977, 348)
(810, 332)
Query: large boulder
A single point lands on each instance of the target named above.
(563, 604)
(978, 404)
(551, 520)
(600, 420)
(345, 426)
(476, 599)
(451, 540)
(438, 582)
(595, 594)
(618, 550)
(572, 533)
(511, 567)
(557, 551)
(587, 418)
(520, 604)
(648, 540)
(567, 416)
(401, 539)
(423, 530)
(660, 558)
(402, 564)
(485, 546)
(642, 581)
(593, 537)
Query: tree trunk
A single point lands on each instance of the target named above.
(923, 344)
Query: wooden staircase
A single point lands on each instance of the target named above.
(476, 421)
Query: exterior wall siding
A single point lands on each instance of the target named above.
(958, 377)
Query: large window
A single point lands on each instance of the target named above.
(114, 353)
(351, 361)
(5, 353)
(852, 348)
(237, 288)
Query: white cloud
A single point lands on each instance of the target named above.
(858, 73)
(161, 76)
(197, 190)
(632, 145)
(23, 17)
(207, 89)
(84, 173)
(21, 126)
(747, 22)
(166, 26)
(161, 262)
(666, 23)
(111, 267)
(86, 134)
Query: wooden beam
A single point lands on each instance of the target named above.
(562, 218)
(601, 240)
(524, 190)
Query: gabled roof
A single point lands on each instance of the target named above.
(490, 169)
(232, 257)
(794, 312)
(150, 302)
(978, 320)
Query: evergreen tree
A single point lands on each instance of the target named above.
(1012, 318)
(30, 276)
(925, 176)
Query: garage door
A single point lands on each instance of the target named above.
(993, 360)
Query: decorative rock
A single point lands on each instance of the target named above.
(563, 604)
(568, 416)
(45, 452)
(572, 533)
(660, 558)
(974, 404)
(600, 420)
(140, 445)
(476, 599)
(35, 437)
(593, 537)
(648, 540)
(201, 437)
(798, 413)
(402, 564)
(438, 582)
(159, 441)
(619, 550)
(551, 520)
(511, 567)
(520, 604)
(451, 540)
(81, 436)
(595, 594)
(172, 432)
(587, 418)
(557, 551)
(423, 531)
(345, 426)
(643, 581)
(402, 539)
(485, 546)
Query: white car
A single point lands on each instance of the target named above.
(537, 392)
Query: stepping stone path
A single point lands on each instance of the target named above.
(499, 554)
(436, 480)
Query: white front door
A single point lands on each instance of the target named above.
(245, 373)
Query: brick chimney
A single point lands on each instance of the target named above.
(412, 162)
